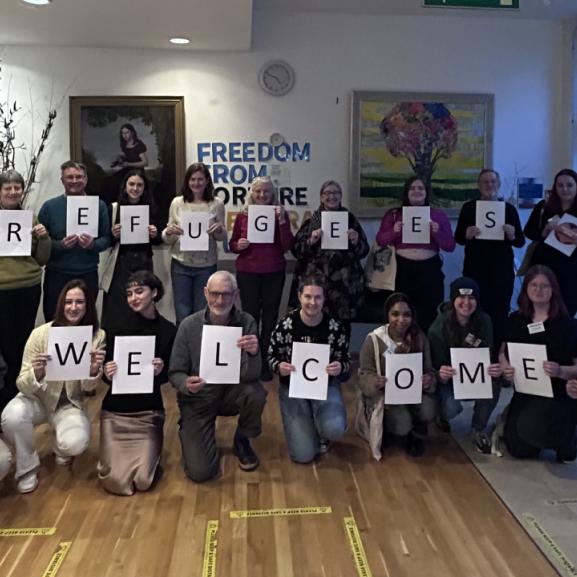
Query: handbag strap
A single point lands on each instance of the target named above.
(375, 340)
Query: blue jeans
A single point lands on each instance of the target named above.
(306, 421)
(482, 409)
(188, 284)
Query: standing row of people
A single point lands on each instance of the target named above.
(75, 257)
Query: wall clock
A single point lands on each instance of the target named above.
(277, 77)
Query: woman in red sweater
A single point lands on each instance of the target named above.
(260, 268)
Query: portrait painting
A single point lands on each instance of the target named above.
(113, 135)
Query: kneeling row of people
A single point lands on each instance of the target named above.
(125, 466)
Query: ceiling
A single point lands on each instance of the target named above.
(210, 24)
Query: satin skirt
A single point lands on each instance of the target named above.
(130, 448)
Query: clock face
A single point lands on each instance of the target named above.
(277, 78)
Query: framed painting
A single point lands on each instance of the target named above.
(114, 134)
(444, 138)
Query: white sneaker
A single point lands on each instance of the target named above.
(62, 461)
(28, 482)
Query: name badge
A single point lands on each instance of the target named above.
(536, 328)
(472, 340)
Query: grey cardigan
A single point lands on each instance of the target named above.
(185, 357)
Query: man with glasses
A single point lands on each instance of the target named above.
(200, 403)
(72, 256)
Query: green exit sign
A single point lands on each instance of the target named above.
(508, 4)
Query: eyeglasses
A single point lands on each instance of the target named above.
(331, 193)
(215, 294)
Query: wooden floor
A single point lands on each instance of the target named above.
(434, 516)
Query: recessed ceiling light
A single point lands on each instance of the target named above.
(180, 41)
(37, 2)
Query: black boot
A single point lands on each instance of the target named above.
(247, 458)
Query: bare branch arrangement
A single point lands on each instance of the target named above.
(9, 144)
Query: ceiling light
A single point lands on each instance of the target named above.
(179, 41)
(37, 2)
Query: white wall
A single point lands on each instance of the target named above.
(522, 62)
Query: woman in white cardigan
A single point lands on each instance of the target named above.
(60, 403)
(5, 454)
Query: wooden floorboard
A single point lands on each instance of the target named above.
(431, 516)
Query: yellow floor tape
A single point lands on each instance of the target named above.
(361, 562)
(280, 512)
(27, 532)
(209, 565)
(57, 559)
(562, 561)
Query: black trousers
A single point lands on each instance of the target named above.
(423, 282)
(54, 282)
(260, 295)
(18, 308)
(198, 414)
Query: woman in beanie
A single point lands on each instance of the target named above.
(462, 324)
(534, 423)
(131, 425)
(401, 334)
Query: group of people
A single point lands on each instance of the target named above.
(326, 296)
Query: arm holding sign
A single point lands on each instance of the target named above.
(217, 228)
(513, 230)
(443, 237)
(250, 360)
(339, 350)
(238, 240)
(181, 364)
(370, 381)
(173, 229)
(429, 376)
(31, 378)
(304, 246)
(466, 229)
(391, 229)
(103, 241)
(284, 229)
(537, 227)
(41, 243)
(358, 244)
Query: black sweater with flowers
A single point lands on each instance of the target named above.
(291, 329)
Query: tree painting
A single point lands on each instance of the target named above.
(444, 138)
(421, 132)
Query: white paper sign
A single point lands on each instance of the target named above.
(16, 232)
(416, 225)
(472, 380)
(82, 215)
(404, 374)
(219, 354)
(335, 226)
(530, 377)
(69, 349)
(490, 219)
(261, 223)
(310, 380)
(557, 243)
(134, 221)
(134, 356)
(195, 226)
